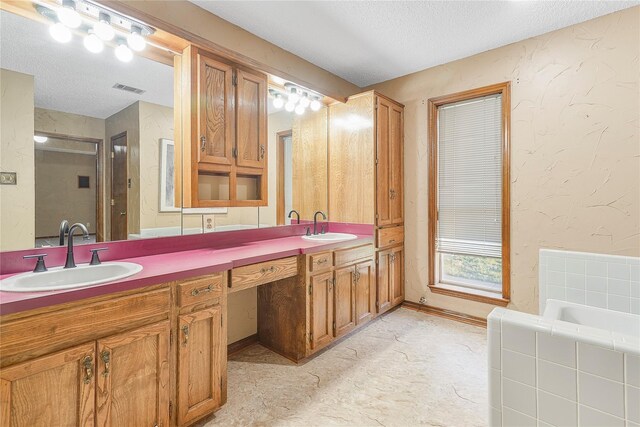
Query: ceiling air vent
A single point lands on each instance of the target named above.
(126, 88)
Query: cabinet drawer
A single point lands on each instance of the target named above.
(261, 273)
(351, 255)
(193, 291)
(390, 236)
(320, 262)
(49, 332)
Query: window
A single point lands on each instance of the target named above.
(469, 194)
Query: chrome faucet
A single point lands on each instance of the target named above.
(293, 211)
(64, 229)
(315, 221)
(71, 263)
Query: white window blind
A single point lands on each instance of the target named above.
(470, 177)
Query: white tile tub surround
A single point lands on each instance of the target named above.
(597, 280)
(548, 372)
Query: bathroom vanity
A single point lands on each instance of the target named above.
(155, 349)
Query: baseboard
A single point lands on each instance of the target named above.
(447, 314)
(242, 344)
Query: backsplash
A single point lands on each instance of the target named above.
(598, 280)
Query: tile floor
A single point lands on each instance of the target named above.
(404, 369)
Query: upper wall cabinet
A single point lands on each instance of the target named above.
(366, 160)
(225, 123)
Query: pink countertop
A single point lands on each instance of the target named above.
(168, 266)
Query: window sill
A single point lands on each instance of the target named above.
(486, 297)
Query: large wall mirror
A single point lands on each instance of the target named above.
(87, 136)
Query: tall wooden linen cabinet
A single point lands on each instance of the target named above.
(366, 172)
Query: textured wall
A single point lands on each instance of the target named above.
(68, 124)
(156, 122)
(575, 161)
(57, 194)
(17, 202)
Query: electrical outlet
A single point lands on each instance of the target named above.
(88, 225)
(8, 178)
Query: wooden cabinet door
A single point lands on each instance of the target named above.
(251, 116)
(396, 263)
(389, 154)
(53, 390)
(321, 310)
(383, 155)
(365, 290)
(396, 164)
(133, 378)
(344, 300)
(201, 354)
(215, 137)
(384, 280)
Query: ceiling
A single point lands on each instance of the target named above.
(71, 79)
(366, 42)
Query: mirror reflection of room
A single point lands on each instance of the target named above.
(100, 116)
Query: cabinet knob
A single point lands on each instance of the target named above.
(203, 143)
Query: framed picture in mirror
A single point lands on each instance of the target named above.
(167, 177)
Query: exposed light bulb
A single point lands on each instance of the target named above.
(293, 96)
(289, 106)
(40, 139)
(304, 101)
(315, 105)
(60, 33)
(93, 43)
(123, 53)
(135, 39)
(68, 14)
(299, 110)
(103, 28)
(278, 102)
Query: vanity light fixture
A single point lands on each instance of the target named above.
(135, 39)
(298, 99)
(305, 101)
(60, 32)
(103, 28)
(93, 42)
(68, 15)
(278, 102)
(315, 105)
(123, 53)
(40, 139)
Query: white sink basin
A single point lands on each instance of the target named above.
(69, 278)
(330, 237)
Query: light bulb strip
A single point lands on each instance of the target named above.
(46, 9)
(298, 99)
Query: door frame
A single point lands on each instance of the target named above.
(116, 136)
(100, 232)
(280, 137)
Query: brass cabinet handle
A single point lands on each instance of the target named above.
(267, 270)
(262, 150)
(392, 193)
(197, 292)
(106, 358)
(88, 369)
(392, 241)
(185, 332)
(203, 142)
(357, 277)
(392, 257)
(322, 261)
